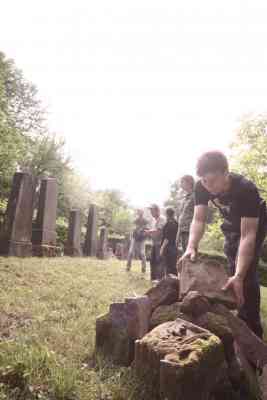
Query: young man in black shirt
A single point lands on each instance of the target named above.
(168, 249)
(244, 215)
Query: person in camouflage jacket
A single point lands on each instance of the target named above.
(186, 212)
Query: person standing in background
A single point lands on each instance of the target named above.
(156, 264)
(187, 211)
(168, 250)
(137, 245)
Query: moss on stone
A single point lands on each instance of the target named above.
(208, 350)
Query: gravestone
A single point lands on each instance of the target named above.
(103, 244)
(17, 231)
(44, 232)
(90, 244)
(73, 245)
(206, 276)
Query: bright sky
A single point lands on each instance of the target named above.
(140, 88)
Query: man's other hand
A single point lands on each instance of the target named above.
(236, 283)
(190, 254)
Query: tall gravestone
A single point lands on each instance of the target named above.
(103, 244)
(90, 244)
(73, 245)
(44, 232)
(17, 231)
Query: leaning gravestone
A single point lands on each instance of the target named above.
(90, 244)
(16, 239)
(73, 245)
(44, 232)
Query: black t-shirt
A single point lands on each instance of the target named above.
(169, 231)
(242, 200)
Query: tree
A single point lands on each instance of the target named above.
(114, 212)
(19, 104)
(176, 196)
(46, 156)
(11, 152)
(74, 192)
(21, 117)
(249, 150)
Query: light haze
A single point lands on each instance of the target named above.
(140, 88)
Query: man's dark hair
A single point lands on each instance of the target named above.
(212, 161)
(170, 212)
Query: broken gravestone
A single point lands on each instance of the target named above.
(138, 312)
(253, 348)
(126, 322)
(112, 335)
(180, 360)
(165, 292)
(207, 277)
(164, 314)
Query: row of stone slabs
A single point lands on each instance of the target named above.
(20, 237)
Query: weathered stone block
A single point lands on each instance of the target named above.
(164, 314)
(165, 292)
(112, 335)
(253, 348)
(103, 329)
(206, 276)
(183, 360)
(138, 312)
(195, 304)
(249, 387)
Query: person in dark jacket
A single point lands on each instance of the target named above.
(168, 249)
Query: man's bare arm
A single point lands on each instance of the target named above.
(197, 230)
(197, 227)
(249, 227)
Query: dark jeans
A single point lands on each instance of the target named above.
(170, 258)
(156, 264)
(250, 311)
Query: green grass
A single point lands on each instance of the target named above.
(47, 326)
(48, 309)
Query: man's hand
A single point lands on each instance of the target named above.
(190, 253)
(236, 283)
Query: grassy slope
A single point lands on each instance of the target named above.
(47, 320)
(48, 309)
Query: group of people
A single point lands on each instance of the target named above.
(244, 227)
(168, 234)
